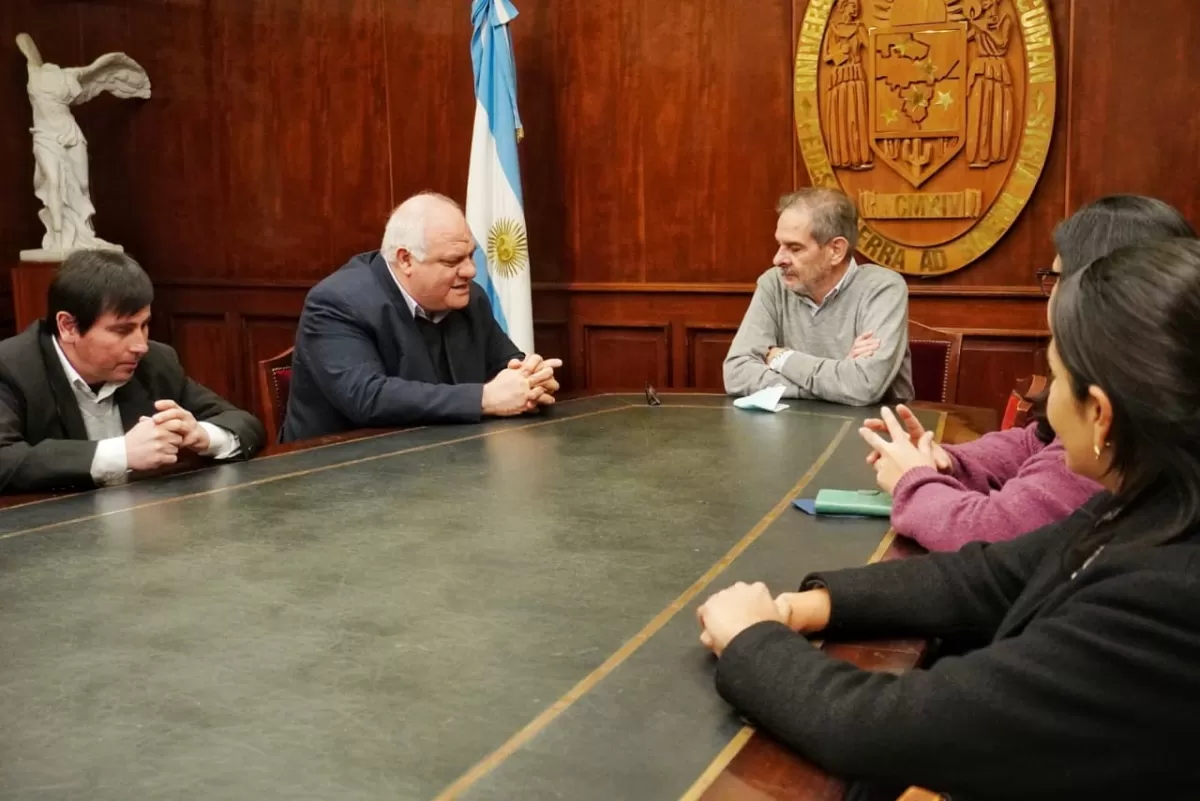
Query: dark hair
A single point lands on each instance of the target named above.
(92, 282)
(1112, 222)
(1128, 323)
(832, 213)
(1098, 229)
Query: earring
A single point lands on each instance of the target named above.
(1096, 450)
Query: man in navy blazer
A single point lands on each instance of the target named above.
(403, 336)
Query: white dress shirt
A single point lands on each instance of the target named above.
(102, 420)
(413, 308)
(781, 358)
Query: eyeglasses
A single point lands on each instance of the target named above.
(1047, 279)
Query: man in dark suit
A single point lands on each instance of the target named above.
(404, 336)
(86, 398)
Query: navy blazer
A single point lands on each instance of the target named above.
(361, 362)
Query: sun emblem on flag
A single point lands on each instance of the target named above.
(507, 248)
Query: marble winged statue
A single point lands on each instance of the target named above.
(60, 178)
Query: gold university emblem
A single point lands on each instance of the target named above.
(933, 115)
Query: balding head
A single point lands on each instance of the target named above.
(429, 248)
(408, 226)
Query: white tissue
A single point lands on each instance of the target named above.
(765, 399)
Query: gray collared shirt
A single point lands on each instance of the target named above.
(833, 293)
(780, 360)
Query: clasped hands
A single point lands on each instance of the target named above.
(156, 441)
(731, 611)
(911, 446)
(522, 387)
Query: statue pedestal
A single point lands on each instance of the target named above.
(55, 256)
(30, 283)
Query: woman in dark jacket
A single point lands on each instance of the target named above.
(1080, 677)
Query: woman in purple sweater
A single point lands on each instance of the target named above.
(1009, 483)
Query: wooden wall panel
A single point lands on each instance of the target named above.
(554, 340)
(430, 100)
(626, 356)
(265, 337)
(658, 135)
(1135, 121)
(982, 315)
(154, 162)
(714, 152)
(301, 100)
(599, 47)
(707, 348)
(204, 346)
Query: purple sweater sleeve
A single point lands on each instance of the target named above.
(987, 498)
(994, 458)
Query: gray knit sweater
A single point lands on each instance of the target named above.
(872, 299)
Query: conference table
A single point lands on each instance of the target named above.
(493, 611)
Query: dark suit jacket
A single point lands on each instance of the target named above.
(360, 360)
(1087, 687)
(43, 442)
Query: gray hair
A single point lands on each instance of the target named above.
(832, 213)
(407, 223)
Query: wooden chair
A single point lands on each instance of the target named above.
(274, 386)
(935, 355)
(1016, 413)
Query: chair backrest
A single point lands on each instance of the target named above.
(935, 355)
(1016, 413)
(274, 386)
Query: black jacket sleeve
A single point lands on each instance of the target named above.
(1078, 704)
(962, 594)
(50, 464)
(350, 374)
(209, 407)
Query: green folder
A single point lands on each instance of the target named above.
(874, 503)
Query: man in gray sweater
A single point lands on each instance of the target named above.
(821, 324)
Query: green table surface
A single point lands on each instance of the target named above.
(500, 611)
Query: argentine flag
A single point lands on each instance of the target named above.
(494, 204)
